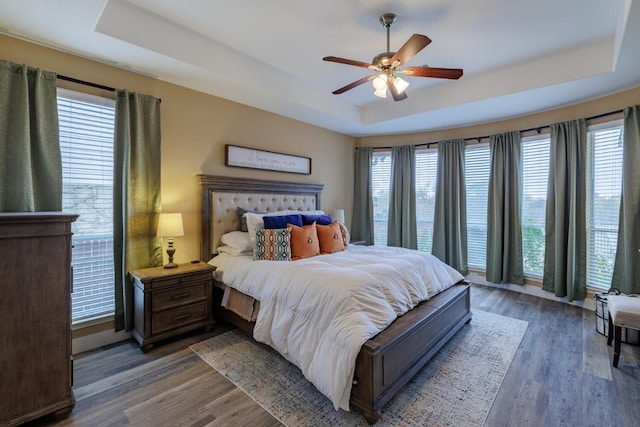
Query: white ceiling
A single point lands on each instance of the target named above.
(518, 56)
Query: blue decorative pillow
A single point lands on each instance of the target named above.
(318, 219)
(281, 221)
(273, 244)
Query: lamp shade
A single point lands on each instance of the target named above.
(380, 82)
(338, 215)
(170, 225)
(400, 84)
(381, 93)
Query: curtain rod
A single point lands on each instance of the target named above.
(537, 129)
(82, 82)
(86, 83)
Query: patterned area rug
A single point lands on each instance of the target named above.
(456, 388)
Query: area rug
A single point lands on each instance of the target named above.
(455, 388)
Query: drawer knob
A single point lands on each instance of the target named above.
(182, 317)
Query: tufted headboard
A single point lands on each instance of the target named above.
(223, 195)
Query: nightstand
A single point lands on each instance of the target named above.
(171, 301)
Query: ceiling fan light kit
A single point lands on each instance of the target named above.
(388, 64)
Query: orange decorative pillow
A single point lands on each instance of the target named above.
(330, 237)
(304, 241)
(345, 235)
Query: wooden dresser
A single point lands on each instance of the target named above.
(36, 367)
(170, 301)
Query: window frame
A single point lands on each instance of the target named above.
(91, 253)
(482, 248)
(530, 140)
(425, 243)
(380, 238)
(591, 160)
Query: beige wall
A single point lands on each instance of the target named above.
(587, 109)
(195, 129)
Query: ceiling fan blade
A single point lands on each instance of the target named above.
(439, 73)
(415, 44)
(394, 92)
(352, 85)
(348, 62)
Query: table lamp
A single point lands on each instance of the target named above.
(170, 226)
(338, 215)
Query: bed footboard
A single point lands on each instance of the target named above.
(389, 360)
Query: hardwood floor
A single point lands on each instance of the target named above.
(560, 376)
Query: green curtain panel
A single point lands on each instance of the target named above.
(504, 228)
(136, 195)
(450, 215)
(30, 160)
(402, 198)
(626, 271)
(362, 224)
(565, 258)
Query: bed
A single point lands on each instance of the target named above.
(386, 361)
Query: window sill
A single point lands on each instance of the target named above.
(95, 333)
(532, 286)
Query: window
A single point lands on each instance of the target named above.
(535, 176)
(477, 160)
(86, 144)
(380, 183)
(603, 201)
(426, 172)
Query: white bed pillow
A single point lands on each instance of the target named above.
(225, 249)
(237, 241)
(318, 212)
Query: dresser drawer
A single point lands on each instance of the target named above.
(177, 317)
(162, 300)
(179, 280)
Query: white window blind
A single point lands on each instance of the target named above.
(380, 184)
(603, 202)
(426, 173)
(476, 170)
(535, 176)
(86, 144)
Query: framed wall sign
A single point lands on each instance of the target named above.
(244, 157)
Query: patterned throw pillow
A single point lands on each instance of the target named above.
(273, 244)
(330, 237)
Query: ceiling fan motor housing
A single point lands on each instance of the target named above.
(383, 60)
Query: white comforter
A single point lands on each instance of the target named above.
(317, 312)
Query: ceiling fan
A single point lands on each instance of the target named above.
(389, 64)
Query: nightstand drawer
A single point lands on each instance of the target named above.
(179, 280)
(177, 317)
(161, 300)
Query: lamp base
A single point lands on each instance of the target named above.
(170, 251)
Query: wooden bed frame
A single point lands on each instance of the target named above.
(387, 361)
